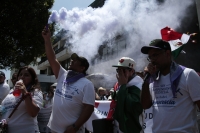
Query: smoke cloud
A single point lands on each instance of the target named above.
(139, 20)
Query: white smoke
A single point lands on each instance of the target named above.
(140, 20)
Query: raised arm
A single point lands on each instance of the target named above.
(55, 65)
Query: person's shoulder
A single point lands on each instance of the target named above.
(85, 80)
(137, 81)
(5, 85)
(188, 72)
(188, 69)
(138, 78)
(37, 92)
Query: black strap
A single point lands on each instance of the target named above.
(22, 98)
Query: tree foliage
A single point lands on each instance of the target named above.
(21, 23)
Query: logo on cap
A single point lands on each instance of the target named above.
(130, 65)
(121, 60)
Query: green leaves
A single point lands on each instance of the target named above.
(21, 24)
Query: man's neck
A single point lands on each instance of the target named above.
(166, 69)
(131, 77)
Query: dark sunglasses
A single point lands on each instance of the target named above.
(124, 69)
(154, 56)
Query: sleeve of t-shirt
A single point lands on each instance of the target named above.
(89, 94)
(38, 98)
(193, 85)
(61, 72)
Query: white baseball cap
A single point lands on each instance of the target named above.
(126, 62)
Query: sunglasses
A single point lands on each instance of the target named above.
(124, 69)
(154, 56)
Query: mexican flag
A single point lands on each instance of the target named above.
(175, 39)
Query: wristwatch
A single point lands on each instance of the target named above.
(75, 128)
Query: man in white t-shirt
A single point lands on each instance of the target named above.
(74, 97)
(172, 90)
(4, 87)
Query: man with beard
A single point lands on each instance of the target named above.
(74, 97)
(128, 88)
(4, 87)
(172, 90)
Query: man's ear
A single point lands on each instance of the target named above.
(168, 53)
(82, 68)
(133, 71)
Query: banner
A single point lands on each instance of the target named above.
(101, 110)
(148, 120)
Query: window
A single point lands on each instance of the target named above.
(62, 43)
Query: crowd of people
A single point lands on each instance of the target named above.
(171, 90)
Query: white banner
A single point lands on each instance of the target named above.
(148, 120)
(101, 111)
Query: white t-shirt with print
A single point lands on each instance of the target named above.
(68, 102)
(21, 121)
(44, 115)
(175, 115)
(4, 90)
